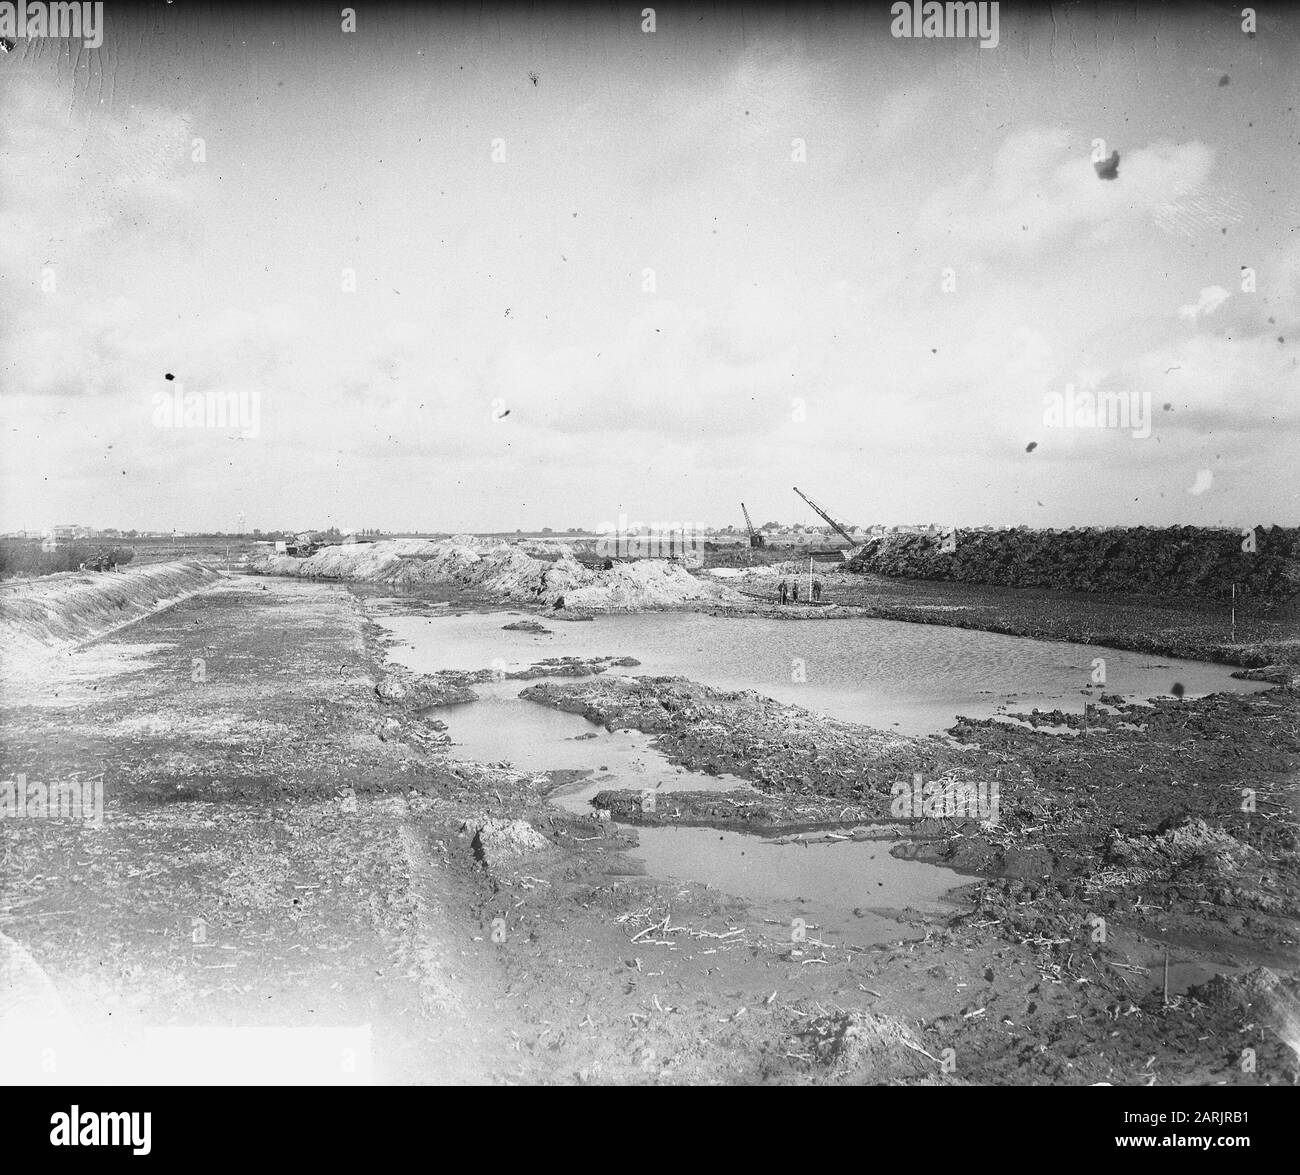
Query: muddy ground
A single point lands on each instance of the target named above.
(345, 870)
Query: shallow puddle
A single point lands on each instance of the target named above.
(501, 727)
(843, 891)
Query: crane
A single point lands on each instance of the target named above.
(755, 539)
(853, 546)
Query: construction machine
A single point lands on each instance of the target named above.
(854, 546)
(303, 545)
(756, 540)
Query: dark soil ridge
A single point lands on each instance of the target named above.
(779, 748)
(1180, 560)
(742, 810)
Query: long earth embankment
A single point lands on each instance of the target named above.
(1263, 562)
(54, 612)
(551, 577)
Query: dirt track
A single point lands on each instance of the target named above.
(228, 799)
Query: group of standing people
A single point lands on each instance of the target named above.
(789, 592)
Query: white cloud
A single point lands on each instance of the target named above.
(1041, 185)
(1209, 300)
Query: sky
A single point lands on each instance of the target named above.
(487, 268)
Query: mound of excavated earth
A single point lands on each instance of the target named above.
(497, 842)
(1173, 561)
(507, 571)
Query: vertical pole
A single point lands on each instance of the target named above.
(1234, 613)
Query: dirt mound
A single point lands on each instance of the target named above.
(1174, 561)
(1177, 847)
(858, 1048)
(497, 842)
(1228, 872)
(415, 691)
(507, 571)
(526, 626)
(43, 616)
(1261, 993)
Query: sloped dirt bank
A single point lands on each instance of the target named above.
(40, 616)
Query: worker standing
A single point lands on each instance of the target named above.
(783, 590)
(817, 590)
(794, 592)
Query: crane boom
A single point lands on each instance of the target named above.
(755, 539)
(829, 520)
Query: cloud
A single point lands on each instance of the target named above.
(1241, 390)
(1040, 186)
(77, 177)
(83, 193)
(673, 372)
(1210, 299)
(896, 114)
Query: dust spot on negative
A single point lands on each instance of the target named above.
(1029, 448)
(1223, 81)
(169, 376)
(1108, 169)
(1177, 689)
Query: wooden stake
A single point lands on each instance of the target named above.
(1166, 979)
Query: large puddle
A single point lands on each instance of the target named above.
(912, 678)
